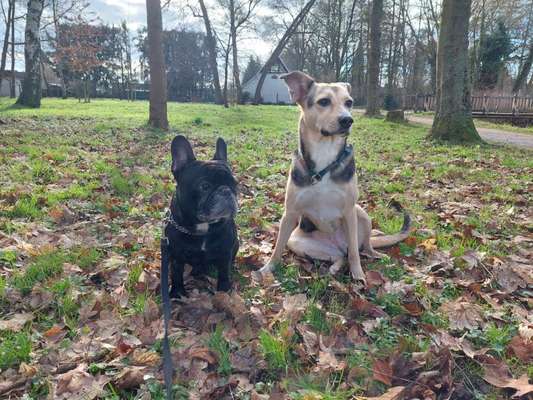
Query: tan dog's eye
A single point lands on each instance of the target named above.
(349, 103)
(324, 102)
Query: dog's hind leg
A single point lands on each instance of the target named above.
(317, 245)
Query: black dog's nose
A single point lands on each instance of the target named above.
(345, 122)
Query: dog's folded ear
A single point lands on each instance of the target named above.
(221, 152)
(299, 84)
(182, 153)
(346, 85)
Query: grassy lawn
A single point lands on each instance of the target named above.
(83, 188)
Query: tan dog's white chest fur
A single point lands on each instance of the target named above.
(321, 193)
(310, 203)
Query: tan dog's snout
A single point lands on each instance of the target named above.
(345, 121)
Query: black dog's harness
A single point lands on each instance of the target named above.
(199, 230)
(318, 176)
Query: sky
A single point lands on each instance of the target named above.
(134, 12)
(115, 11)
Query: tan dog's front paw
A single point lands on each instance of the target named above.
(266, 270)
(357, 273)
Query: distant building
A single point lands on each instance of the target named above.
(5, 87)
(50, 82)
(274, 90)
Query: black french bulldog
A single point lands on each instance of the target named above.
(201, 230)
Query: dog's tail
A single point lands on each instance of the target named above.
(379, 242)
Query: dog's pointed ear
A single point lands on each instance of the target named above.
(182, 153)
(346, 85)
(221, 152)
(299, 84)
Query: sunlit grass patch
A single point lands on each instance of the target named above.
(15, 347)
(66, 306)
(74, 191)
(220, 346)
(26, 206)
(42, 172)
(41, 268)
(317, 319)
(276, 349)
(324, 388)
(85, 257)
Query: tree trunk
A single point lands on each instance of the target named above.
(212, 53)
(13, 92)
(6, 41)
(524, 71)
(31, 89)
(376, 16)
(236, 72)
(226, 66)
(60, 72)
(453, 118)
(158, 81)
(279, 48)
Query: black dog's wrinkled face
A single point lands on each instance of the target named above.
(206, 190)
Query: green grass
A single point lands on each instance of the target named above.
(276, 349)
(102, 162)
(221, 348)
(15, 347)
(41, 268)
(317, 319)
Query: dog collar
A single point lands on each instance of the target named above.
(199, 229)
(317, 176)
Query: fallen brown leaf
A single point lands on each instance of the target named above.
(129, 378)
(382, 371)
(463, 314)
(16, 322)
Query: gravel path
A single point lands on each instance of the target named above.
(521, 140)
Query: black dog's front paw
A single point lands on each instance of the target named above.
(177, 292)
(223, 285)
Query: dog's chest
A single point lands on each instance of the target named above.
(323, 203)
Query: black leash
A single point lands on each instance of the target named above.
(168, 368)
(317, 176)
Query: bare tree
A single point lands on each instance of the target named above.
(158, 85)
(524, 70)
(238, 16)
(12, 92)
(31, 88)
(8, 20)
(280, 46)
(376, 16)
(453, 118)
(212, 49)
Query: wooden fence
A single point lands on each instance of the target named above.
(514, 105)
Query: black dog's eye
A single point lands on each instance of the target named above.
(204, 186)
(324, 102)
(349, 103)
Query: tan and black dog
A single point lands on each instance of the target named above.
(321, 192)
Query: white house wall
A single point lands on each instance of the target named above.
(5, 88)
(274, 90)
